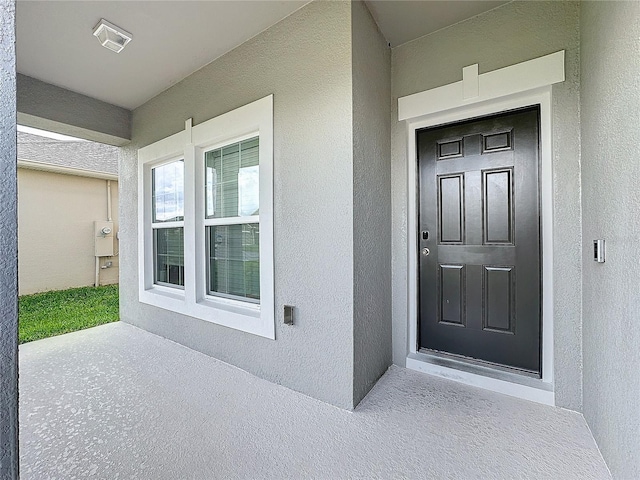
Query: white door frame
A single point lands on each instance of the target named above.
(525, 84)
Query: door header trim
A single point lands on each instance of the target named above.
(474, 88)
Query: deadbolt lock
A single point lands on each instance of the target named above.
(425, 252)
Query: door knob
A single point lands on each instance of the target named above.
(425, 252)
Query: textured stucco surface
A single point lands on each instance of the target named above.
(118, 402)
(371, 201)
(610, 93)
(49, 107)
(305, 62)
(516, 32)
(56, 247)
(8, 247)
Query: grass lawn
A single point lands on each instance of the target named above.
(48, 314)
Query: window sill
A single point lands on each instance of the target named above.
(162, 292)
(230, 305)
(235, 314)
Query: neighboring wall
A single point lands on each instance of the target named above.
(305, 62)
(610, 93)
(9, 460)
(516, 32)
(371, 201)
(56, 231)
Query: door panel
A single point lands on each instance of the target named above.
(451, 211)
(479, 201)
(451, 294)
(498, 299)
(497, 201)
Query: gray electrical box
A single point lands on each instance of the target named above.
(103, 236)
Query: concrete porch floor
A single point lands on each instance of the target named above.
(118, 402)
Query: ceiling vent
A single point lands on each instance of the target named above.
(110, 36)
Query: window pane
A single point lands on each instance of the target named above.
(168, 192)
(232, 180)
(169, 256)
(234, 260)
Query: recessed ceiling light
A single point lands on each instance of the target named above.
(110, 36)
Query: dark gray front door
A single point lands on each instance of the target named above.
(479, 239)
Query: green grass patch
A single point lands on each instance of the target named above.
(47, 314)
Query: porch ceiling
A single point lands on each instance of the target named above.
(402, 21)
(118, 402)
(172, 39)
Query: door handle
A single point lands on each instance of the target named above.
(425, 252)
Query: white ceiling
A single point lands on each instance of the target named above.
(172, 39)
(402, 21)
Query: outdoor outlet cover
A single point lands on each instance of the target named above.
(288, 315)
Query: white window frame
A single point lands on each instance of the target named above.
(190, 144)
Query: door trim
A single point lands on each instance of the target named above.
(517, 93)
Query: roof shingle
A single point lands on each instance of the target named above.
(82, 155)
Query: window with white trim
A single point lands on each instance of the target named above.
(206, 220)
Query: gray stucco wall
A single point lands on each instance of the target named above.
(516, 32)
(371, 201)
(610, 93)
(305, 61)
(46, 106)
(8, 247)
